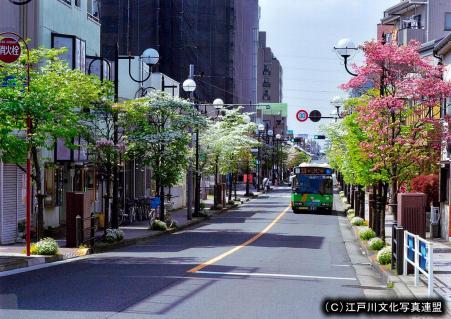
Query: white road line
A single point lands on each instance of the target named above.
(271, 275)
(335, 265)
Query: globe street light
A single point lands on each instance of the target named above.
(278, 157)
(150, 56)
(189, 85)
(346, 48)
(337, 102)
(261, 129)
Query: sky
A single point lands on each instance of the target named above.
(302, 34)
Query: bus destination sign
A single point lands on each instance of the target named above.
(315, 170)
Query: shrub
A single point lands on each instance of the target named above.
(202, 205)
(231, 202)
(384, 256)
(345, 200)
(428, 184)
(376, 243)
(113, 235)
(367, 234)
(342, 194)
(33, 249)
(351, 211)
(159, 225)
(46, 246)
(357, 221)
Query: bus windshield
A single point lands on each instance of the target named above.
(313, 184)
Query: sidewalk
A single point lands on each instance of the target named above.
(442, 266)
(11, 256)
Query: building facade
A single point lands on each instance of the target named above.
(269, 74)
(52, 24)
(217, 37)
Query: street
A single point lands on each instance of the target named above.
(259, 261)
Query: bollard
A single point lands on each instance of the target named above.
(78, 230)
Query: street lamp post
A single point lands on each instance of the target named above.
(189, 86)
(150, 57)
(346, 48)
(337, 102)
(278, 137)
(261, 129)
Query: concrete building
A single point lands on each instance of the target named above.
(269, 74)
(421, 20)
(62, 23)
(217, 37)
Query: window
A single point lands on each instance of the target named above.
(77, 3)
(93, 9)
(448, 21)
(69, 2)
(266, 83)
(266, 70)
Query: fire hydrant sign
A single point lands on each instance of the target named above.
(9, 50)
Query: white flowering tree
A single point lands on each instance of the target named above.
(226, 145)
(157, 129)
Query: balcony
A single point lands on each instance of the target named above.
(405, 35)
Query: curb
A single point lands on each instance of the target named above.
(399, 287)
(25, 262)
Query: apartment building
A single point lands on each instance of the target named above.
(73, 24)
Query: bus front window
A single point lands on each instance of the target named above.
(314, 184)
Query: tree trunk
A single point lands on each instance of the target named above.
(216, 200)
(235, 180)
(394, 198)
(107, 198)
(384, 203)
(362, 202)
(162, 203)
(352, 202)
(40, 196)
(230, 186)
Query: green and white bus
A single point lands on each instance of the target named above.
(312, 188)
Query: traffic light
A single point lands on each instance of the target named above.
(320, 137)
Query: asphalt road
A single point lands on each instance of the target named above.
(236, 272)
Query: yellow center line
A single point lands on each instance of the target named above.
(236, 248)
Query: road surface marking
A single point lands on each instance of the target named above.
(272, 275)
(235, 249)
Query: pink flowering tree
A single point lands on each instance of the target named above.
(400, 121)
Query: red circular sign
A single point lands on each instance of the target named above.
(302, 115)
(9, 50)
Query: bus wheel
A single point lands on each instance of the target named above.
(296, 211)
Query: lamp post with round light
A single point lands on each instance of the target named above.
(337, 102)
(261, 129)
(149, 57)
(278, 157)
(189, 86)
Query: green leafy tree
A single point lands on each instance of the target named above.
(52, 103)
(157, 129)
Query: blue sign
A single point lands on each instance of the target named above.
(155, 202)
(410, 248)
(423, 255)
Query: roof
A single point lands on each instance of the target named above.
(324, 165)
(393, 13)
(444, 46)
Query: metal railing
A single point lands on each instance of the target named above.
(81, 230)
(418, 253)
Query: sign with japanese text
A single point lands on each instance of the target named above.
(9, 50)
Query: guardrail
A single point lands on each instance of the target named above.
(418, 253)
